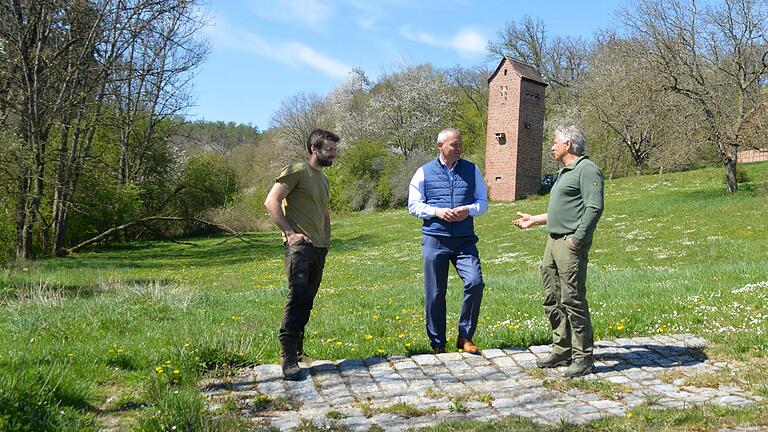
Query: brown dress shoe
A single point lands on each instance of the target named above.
(438, 350)
(467, 346)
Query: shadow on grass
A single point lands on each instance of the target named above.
(159, 254)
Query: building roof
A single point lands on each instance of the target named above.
(523, 70)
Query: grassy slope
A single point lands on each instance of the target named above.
(672, 253)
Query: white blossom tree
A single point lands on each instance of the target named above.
(410, 107)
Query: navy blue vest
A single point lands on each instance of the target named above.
(439, 191)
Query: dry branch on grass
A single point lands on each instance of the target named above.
(144, 222)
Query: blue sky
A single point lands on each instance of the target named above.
(264, 51)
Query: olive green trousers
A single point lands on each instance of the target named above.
(564, 275)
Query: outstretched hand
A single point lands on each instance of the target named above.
(524, 221)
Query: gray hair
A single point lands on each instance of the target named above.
(446, 131)
(575, 135)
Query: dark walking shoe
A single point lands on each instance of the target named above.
(552, 361)
(438, 350)
(291, 369)
(579, 367)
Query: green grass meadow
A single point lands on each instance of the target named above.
(119, 337)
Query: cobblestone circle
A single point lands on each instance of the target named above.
(399, 393)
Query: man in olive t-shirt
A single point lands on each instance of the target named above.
(575, 206)
(298, 205)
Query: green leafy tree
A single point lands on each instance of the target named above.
(207, 181)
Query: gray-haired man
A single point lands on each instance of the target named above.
(575, 206)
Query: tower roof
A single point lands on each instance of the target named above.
(523, 70)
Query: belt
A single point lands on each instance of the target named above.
(558, 236)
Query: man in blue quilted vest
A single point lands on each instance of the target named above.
(447, 193)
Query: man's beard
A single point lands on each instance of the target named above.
(322, 161)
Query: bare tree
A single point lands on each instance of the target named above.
(296, 118)
(561, 61)
(471, 88)
(715, 55)
(49, 76)
(150, 83)
(59, 57)
(627, 98)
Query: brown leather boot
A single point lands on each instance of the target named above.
(467, 346)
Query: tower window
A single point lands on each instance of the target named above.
(498, 178)
(501, 138)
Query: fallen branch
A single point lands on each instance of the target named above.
(144, 221)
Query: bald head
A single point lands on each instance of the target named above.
(449, 145)
(447, 133)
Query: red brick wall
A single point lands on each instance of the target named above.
(752, 155)
(529, 140)
(513, 170)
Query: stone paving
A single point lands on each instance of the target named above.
(399, 393)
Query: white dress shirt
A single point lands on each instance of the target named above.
(419, 208)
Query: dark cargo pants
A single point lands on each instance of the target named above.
(304, 266)
(564, 275)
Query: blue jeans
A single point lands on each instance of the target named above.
(462, 253)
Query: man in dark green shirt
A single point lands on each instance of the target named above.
(575, 206)
(298, 205)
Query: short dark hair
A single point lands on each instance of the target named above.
(318, 137)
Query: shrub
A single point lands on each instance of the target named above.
(207, 181)
(102, 204)
(7, 233)
(400, 177)
(245, 213)
(741, 175)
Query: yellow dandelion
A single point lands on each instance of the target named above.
(629, 414)
(167, 362)
(159, 370)
(368, 337)
(402, 335)
(176, 371)
(407, 344)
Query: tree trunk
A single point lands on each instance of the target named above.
(23, 229)
(730, 169)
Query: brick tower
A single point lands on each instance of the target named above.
(515, 131)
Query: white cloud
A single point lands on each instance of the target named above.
(470, 42)
(312, 13)
(467, 42)
(287, 52)
(318, 60)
